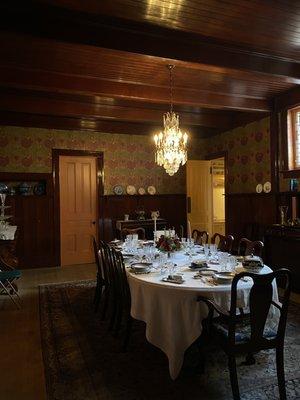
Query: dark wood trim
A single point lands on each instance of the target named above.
(56, 153)
(140, 196)
(288, 99)
(224, 154)
(274, 151)
(293, 173)
(251, 194)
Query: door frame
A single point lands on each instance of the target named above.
(56, 153)
(224, 154)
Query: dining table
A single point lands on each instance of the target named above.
(172, 314)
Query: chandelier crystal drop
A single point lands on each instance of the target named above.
(171, 143)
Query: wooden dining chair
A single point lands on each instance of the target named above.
(102, 290)
(123, 300)
(200, 237)
(248, 247)
(224, 242)
(248, 333)
(137, 231)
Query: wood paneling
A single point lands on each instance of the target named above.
(249, 214)
(266, 26)
(83, 61)
(34, 217)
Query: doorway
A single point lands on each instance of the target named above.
(206, 194)
(77, 192)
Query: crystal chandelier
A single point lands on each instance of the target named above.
(171, 144)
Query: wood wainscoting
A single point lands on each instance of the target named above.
(34, 216)
(249, 214)
(172, 208)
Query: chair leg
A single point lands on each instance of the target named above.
(127, 332)
(105, 303)
(114, 313)
(233, 377)
(280, 372)
(97, 299)
(118, 320)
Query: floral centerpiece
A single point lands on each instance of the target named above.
(168, 244)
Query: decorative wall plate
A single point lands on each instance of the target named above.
(259, 188)
(141, 190)
(131, 189)
(118, 189)
(267, 187)
(151, 189)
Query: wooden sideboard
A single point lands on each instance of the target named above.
(282, 250)
(147, 224)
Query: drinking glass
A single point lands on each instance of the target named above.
(206, 251)
(231, 263)
(223, 260)
(213, 250)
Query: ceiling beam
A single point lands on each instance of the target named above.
(66, 83)
(8, 118)
(143, 38)
(47, 104)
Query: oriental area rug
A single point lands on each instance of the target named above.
(83, 361)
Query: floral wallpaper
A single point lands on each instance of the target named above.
(129, 159)
(248, 149)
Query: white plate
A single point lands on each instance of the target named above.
(118, 189)
(166, 279)
(221, 277)
(141, 190)
(131, 189)
(259, 188)
(267, 187)
(151, 189)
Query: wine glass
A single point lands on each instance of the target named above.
(213, 250)
(206, 251)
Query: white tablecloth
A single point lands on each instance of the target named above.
(172, 315)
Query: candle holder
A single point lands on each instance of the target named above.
(283, 214)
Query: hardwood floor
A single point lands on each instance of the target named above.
(21, 364)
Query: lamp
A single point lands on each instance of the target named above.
(171, 143)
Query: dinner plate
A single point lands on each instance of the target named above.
(203, 273)
(166, 279)
(151, 189)
(131, 189)
(259, 188)
(267, 187)
(224, 277)
(141, 267)
(118, 189)
(198, 265)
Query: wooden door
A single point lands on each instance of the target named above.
(78, 208)
(199, 193)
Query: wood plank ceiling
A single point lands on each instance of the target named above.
(101, 65)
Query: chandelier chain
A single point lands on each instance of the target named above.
(171, 86)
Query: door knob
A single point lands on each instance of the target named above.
(94, 222)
